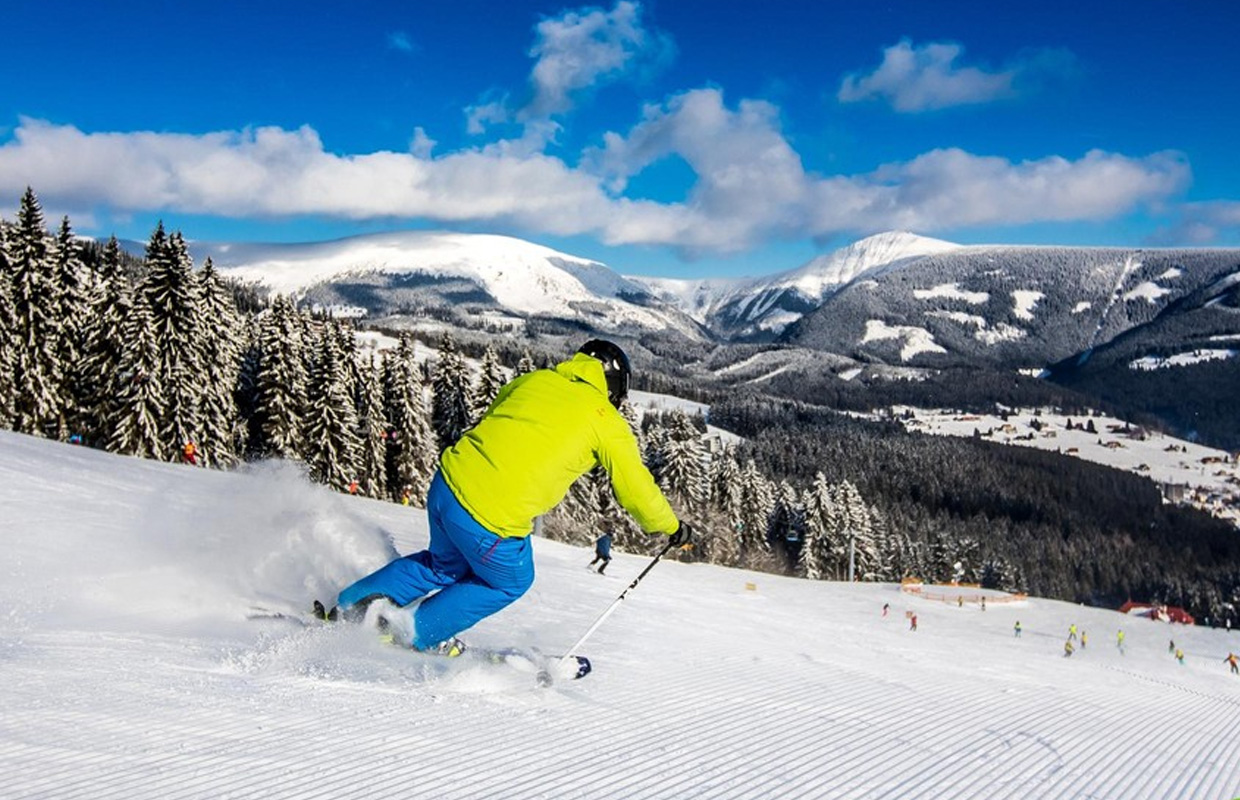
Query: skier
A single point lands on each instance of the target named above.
(189, 453)
(886, 608)
(1067, 648)
(1233, 662)
(602, 551)
(543, 431)
(1119, 640)
(1083, 640)
(1179, 655)
(1072, 632)
(1171, 646)
(912, 622)
(1017, 629)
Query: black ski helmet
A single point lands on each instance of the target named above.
(615, 367)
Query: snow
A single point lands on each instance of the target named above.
(951, 291)
(1147, 291)
(1082, 306)
(1171, 274)
(522, 276)
(1199, 356)
(1024, 301)
(916, 340)
(128, 668)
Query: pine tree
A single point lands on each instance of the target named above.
(757, 502)
(71, 287)
(280, 396)
(452, 404)
(173, 296)
(857, 531)
(412, 447)
(35, 299)
(110, 305)
(682, 462)
(526, 364)
(331, 449)
(372, 433)
(8, 338)
(135, 427)
(819, 551)
(220, 337)
(490, 380)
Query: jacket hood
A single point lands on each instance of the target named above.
(586, 369)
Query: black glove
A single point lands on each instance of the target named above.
(683, 536)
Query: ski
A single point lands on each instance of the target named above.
(546, 669)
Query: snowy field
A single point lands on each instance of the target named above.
(128, 669)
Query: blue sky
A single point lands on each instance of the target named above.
(675, 138)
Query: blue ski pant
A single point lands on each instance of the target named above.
(472, 572)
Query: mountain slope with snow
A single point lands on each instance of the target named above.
(765, 306)
(390, 272)
(128, 668)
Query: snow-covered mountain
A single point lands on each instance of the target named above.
(384, 274)
(1014, 307)
(129, 669)
(760, 308)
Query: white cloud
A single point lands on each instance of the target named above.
(479, 117)
(580, 49)
(751, 186)
(927, 77)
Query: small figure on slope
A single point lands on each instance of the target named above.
(1233, 662)
(189, 453)
(602, 551)
(1016, 629)
(1072, 632)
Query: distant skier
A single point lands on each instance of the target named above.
(1179, 655)
(912, 622)
(1119, 641)
(1171, 646)
(1233, 662)
(602, 551)
(1016, 629)
(983, 603)
(1072, 632)
(544, 430)
(189, 453)
(1068, 649)
(1083, 640)
(886, 608)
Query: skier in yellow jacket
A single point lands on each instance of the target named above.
(545, 429)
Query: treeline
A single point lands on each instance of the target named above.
(1065, 528)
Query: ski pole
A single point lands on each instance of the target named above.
(614, 604)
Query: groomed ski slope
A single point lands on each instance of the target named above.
(128, 669)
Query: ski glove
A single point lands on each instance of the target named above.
(682, 536)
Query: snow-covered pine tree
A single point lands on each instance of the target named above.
(8, 341)
(280, 399)
(451, 396)
(681, 462)
(71, 283)
(491, 379)
(525, 364)
(819, 550)
(372, 433)
(331, 448)
(412, 447)
(855, 526)
(110, 304)
(37, 375)
(174, 297)
(135, 424)
(221, 331)
(757, 502)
